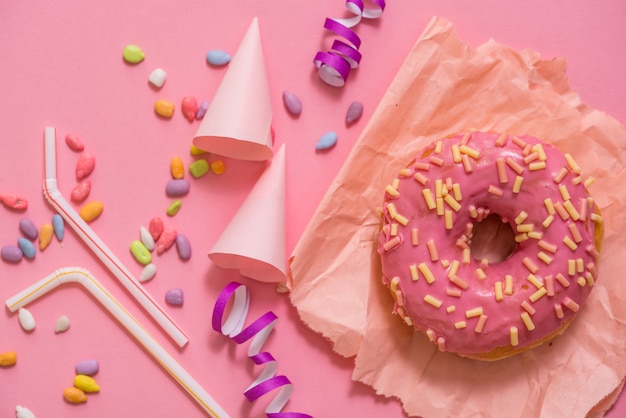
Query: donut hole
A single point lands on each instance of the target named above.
(492, 240)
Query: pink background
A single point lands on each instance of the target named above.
(61, 65)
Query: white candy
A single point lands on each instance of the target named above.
(157, 77)
(148, 272)
(23, 412)
(146, 238)
(62, 324)
(26, 319)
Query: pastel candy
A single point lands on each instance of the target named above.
(58, 225)
(177, 187)
(140, 252)
(164, 108)
(202, 109)
(146, 238)
(218, 57)
(26, 319)
(326, 141)
(177, 168)
(87, 367)
(28, 228)
(23, 412)
(74, 142)
(62, 324)
(292, 103)
(157, 77)
(148, 272)
(174, 207)
(91, 211)
(81, 191)
(199, 168)
(85, 165)
(45, 236)
(189, 107)
(11, 253)
(8, 359)
(74, 395)
(174, 297)
(354, 113)
(156, 228)
(183, 246)
(27, 247)
(86, 383)
(133, 54)
(166, 240)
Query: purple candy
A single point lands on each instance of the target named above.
(28, 228)
(11, 253)
(354, 113)
(174, 296)
(87, 367)
(292, 103)
(183, 246)
(202, 109)
(177, 187)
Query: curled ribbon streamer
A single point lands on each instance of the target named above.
(334, 65)
(232, 325)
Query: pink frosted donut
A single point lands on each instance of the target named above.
(489, 243)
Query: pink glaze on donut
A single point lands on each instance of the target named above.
(441, 284)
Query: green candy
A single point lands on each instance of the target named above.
(140, 252)
(174, 207)
(199, 168)
(133, 54)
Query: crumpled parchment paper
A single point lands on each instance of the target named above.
(443, 87)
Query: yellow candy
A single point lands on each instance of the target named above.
(8, 359)
(91, 211)
(86, 383)
(45, 236)
(177, 168)
(164, 108)
(218, 167)
(196, 151)
(74, 395)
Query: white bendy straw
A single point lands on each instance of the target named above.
(83, 277)
(56, 199)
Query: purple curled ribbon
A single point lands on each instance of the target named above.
(231, 324)
(334, 65)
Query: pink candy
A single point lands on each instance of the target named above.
(13, 201)
(190, 108)
(166, 240)
(74, 143)
(156, 228)
(81, 191)
(85, 165)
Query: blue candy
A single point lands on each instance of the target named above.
(218, 57)
(27, 247)
(58, 225)
(326, 141)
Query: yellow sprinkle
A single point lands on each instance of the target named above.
(430, 334)
(432, 250)
(436, 160)
(440, 207)
(528, 307)
(498, 291)
(571, 244)
(467, 164)
(448, 219)
(519, 142)
(480, 324)
(456, 191)
(392, 243)
(421, 179)
(473, 212)
(432, 301)
(453, 292)
(531, 157)
(558, 310)
(456, 154)
(467, 256)
(535, 281)
(445, 263)
(501, 170)
(564, 192)
(508, 285)
(521, 237)
(558, 178)
(537, 165)
(430, 200)
(544, 257)
(394, 230)
(549, 206)
(538, 295)
(589, 278)
(460, 324)
(546, 222)
(596, 218)
(535, 234)
(391, 209)
(413, 270)
(395, 183)
(570, 304)
(218, 167)
(401, 219)
(571, 267)
(45, 236)
(454, 205)
(428, 275)
(530, 265)
(515, 166)
(501, 140)
(575, 232)
(470, 313)
(391, 191)
(538, 148)
(513, 333)
(521, 217)
(475, 154)
(454, 267)
(528, 322)
(438, 188)
(589, 181)
(544, 245)
(459, 282)
(393, 284)
(525, 227)
(577, 180)
(561, 211)
(480, 273)
(414, 236)
(438, 147)
(571, 210)
(581, 281)
(405, 172)
(572, 163)
(494, 190)
(517, 185)
(451, 309)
